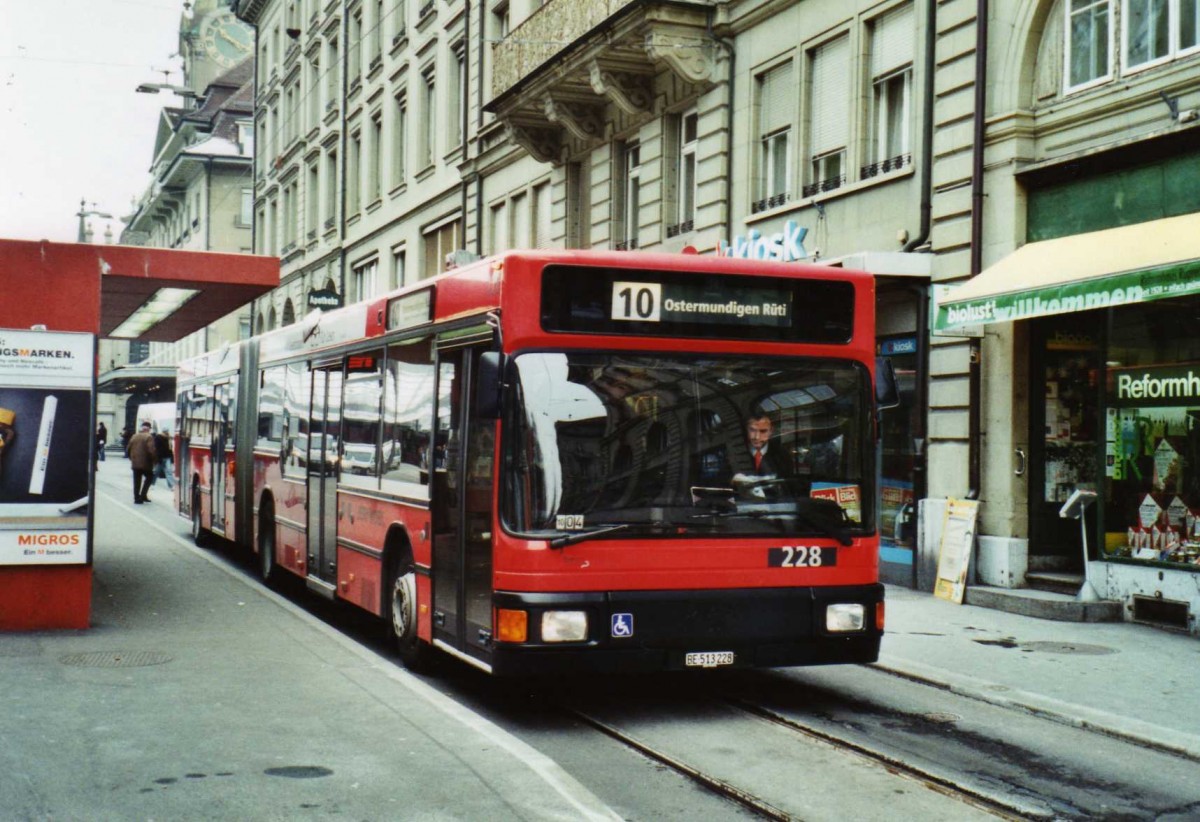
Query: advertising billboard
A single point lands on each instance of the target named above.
(45, 446)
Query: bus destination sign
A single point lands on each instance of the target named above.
(691, 302)
(696, 304)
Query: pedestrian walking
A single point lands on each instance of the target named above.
(165, 459)
(141, 461)
(126, 433)
(101, 441)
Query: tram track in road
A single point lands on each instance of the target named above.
(777, 768)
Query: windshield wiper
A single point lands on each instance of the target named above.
(580, 536)
(839, 532)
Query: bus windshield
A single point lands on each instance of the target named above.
(631, 445)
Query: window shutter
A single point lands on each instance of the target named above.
(775, 99)
(892, 41)
(830, 96)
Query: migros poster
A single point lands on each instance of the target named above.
(45, 441)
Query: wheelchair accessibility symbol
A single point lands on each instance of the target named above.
(622, 625)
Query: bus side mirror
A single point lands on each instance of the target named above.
(489, 387)
(887, 392)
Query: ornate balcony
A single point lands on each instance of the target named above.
(573, 64)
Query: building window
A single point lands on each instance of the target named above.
(683, 135)
(272, 247)
(260, 238)
(362, 281)
(377, 34)
(829, 117)
(354, 67)
(331, 188)
(542, 217)
(312, 201)
(1089, 41)
(375, 158)
(891, 91)
(354, 174)
(579, 205)
(1158, 30)
(519, 234)
(456, 97)
(501, 24)
(440, 242)
(399, 139)
(499, 226)
(246, 213)
(429, 112)
(628, 203)
(314, 93)
(397, 276)
(333, 91)
(245, 133)
(775, 96)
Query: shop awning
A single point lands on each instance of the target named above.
(1117, 266)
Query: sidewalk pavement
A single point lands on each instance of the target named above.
(198, 693)
(1124, 679)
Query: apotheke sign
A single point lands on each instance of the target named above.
(785, 246)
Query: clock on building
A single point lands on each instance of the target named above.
(225, 40)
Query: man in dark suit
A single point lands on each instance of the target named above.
(765, 459)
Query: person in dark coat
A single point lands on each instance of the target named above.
(141, 460)
(101, 441)
(164, 465)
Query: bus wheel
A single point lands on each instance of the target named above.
(266, 544)
(402, 616)
(198, 533)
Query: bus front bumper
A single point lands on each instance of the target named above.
(646, 631)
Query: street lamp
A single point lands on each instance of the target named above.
(85, 212)
(154, 88)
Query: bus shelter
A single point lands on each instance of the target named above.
(60, 299)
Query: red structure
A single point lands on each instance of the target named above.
(93, 289)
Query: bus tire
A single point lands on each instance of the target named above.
(266, 543)
(199, 535)
(401, 615)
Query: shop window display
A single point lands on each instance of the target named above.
(1152, 435)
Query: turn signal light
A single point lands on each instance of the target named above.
(878, 616)
(511, 626)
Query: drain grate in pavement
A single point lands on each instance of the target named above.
(116, 659)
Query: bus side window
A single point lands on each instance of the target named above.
(296, 390)
(408, 386)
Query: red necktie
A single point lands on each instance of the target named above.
(758, 460)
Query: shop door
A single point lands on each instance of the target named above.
(464, 447)
(1066, 434)
(221, 424)
(322, 462)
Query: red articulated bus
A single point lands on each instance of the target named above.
(549, 461)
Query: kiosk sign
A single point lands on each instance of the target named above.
(45, 445)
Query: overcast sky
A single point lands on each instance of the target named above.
(71, 125)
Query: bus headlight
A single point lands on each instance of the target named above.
(844, 617)
(564, 626)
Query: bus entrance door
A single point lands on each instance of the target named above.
(462, 509)
(322, 461)
(221, 426)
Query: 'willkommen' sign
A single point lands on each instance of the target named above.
(1101, 292)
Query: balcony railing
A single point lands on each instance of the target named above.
(821, 186)
(884, 166)
(774, 201)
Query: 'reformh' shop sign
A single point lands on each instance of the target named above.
(45, 446)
